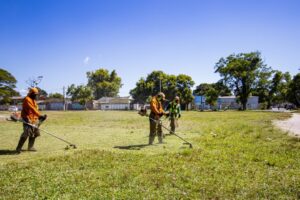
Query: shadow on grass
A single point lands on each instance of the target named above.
(132, 147)
(7, 152)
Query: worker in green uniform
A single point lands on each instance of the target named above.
(174, 113)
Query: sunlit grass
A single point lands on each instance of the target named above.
(236, 155)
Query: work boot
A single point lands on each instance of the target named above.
(20, 144)
(151, 140)
(31, 144)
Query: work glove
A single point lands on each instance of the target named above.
(42, 117)
(179, 115)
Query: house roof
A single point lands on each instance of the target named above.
(17, 98)
(227, 97)
(233, 97)
(114, 100)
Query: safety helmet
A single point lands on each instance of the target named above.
(162, 95)
(177, 98)
(33, 91)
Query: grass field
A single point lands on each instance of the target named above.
(236, 155)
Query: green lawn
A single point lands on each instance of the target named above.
(236, 155)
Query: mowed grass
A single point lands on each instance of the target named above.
(236, 155)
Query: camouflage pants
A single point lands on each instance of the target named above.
(29, 131)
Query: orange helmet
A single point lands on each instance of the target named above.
(33, 91)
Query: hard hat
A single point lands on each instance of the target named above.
(177, 98)
(33, 91)
(162, 95)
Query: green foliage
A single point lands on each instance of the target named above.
(150, 86)
(280, 86)
(202, 89)
(55, 96)
(263, 88)
(240, 73)
(294, 90)
(272, 87)
(242, 156)
(7, 86)
(80, 93)
(219, 87)
(171, 85)
(212, 96)
(42, 93)
(103, 83)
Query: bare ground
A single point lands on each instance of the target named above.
(291, 125)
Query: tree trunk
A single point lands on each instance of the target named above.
(244, 105)
(187, 107)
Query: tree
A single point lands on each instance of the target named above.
(219, 86)
(279, 87)
(184, 88)
(103, 83)
(263, 87)
(222, 88)
(212, 96)
(55, 96)
(42, 93)
(158, 81)
(80, 93)
(7, 86)
(272, 87)
(202, 89)
(240, 73)
(294, 90)
(155, 82)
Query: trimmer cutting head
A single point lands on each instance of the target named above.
(70, 146)
(190, 145)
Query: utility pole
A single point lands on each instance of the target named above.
(159, 84)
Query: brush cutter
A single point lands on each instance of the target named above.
(143, 112)
(15, 118)
(185, 142)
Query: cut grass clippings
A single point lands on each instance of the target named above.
(236, 155)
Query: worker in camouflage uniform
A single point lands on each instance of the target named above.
(157, 112)
(30, 114)
(174, 113)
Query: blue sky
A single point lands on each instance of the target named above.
(63, 39)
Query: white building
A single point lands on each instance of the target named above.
(226, 102)
(230, 102)
(115, 103)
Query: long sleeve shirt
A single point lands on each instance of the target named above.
(30, 110)
(156, 106)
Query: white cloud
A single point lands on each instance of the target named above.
(86, 60)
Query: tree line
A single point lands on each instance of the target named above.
(242, 75)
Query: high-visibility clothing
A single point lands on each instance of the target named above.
(156, 106)
(30, 110)
(174, 109)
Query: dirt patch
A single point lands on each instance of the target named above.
(3, 117)
(291, 125)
